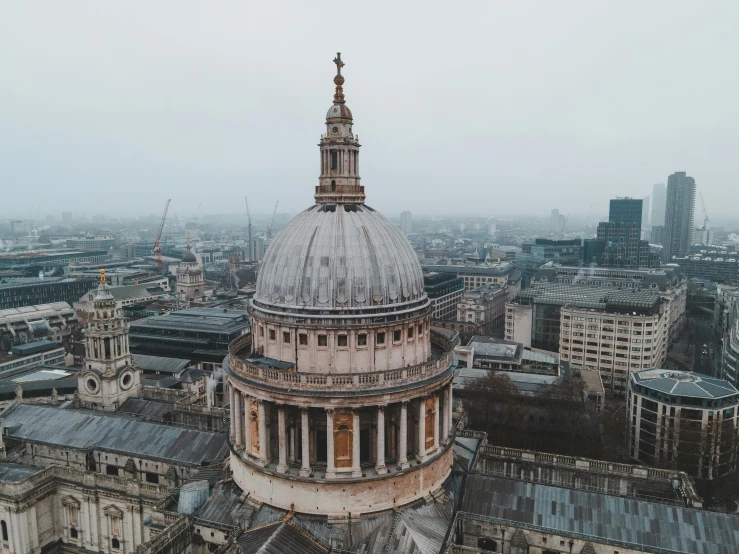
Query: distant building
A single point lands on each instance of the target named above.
(105, 242)
(619, 243)
(34, 290)
(128, 295)
(703, 236)
(444, 290)
(485, 307)
(716, 265)
(659, 194)
(406, 222)
(190, 279)
(645, 213)
(67, 217)
(55, 321)
(32, 354)
(679, 213)
(683, 420)
(198, 334)
(730, 355)
(49, 258)
(475, 276)
(533, 256)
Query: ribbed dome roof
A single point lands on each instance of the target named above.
(340, 111)
(188, 256)
(340, 257)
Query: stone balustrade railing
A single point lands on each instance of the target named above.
(332, 381)
(86, 478)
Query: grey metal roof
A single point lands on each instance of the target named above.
(217, 320)
(224, 505)
(148, 408)
(340, 258)
(278, 538)
(588, 296)
(160, 364)
(15, 473)
(86, 430)
(638, 524)
(684, 383)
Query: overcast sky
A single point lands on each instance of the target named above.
(496, 107)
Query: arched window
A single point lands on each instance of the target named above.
(4, 530)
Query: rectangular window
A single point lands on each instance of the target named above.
(362, 339)
(152, 478)
(381, 338)
(303, 339)
(272, 334)
(342, 340)
(420, 329)
(286, 337)
(261, 331)
(410, 332)
(322, 340)
(396, 335)
(334, 159)
(111, 470)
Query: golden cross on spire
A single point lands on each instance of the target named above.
(102, 277)
(339, 79)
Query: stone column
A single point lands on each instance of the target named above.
(421, 429)
(291, 436)
(392, 440)
(356, 466)
(403, 454)
(232, 431)
(305, 450)
(436, 422)
(450, 411)
(263, 454)
(236, 419)
(445, 418)
(330, 455)
(380, 465)
(282, 432)
(247, 426)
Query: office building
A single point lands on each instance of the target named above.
(91, 242)
(485, 307)
(720, 266)
(54, 321)
(679, 213)
(49, 258)
(30, 291)
(683, 420)
(659, 195)
(25, 356)
(645, 213)
(406, 222)
(567, 252)
(730, 355)
(479, 275)
(444, 291)
(198, 334)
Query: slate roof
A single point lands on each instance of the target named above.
(160, 364)
(632, 523)
(17, 473)
(278, 538)
(83, 429)
(684, 383)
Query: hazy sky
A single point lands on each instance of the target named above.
(496, 107)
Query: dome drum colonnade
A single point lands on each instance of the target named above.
(338, 382)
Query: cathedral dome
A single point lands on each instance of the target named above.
(340, 257)
(189, 257)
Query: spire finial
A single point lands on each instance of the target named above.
(102, 277)
(339, 79)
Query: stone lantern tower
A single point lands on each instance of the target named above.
(190, 279)
(109, 377)
(341, 394)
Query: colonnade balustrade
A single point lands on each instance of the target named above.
(331, 442)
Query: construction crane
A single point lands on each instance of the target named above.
(271, 223)
(705, 214)
(157, 249)
(248, 217)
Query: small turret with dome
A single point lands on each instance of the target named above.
(109, 376)
(190, 278)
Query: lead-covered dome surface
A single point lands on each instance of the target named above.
(340, 257)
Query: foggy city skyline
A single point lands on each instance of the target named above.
(514, 109)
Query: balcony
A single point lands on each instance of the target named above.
(288, 379)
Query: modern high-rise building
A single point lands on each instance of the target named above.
(626, 211)
(658, 204)
(645, 213)
(679, 212)
(406, 222)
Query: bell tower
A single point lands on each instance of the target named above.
(109, 376)
(339, 181)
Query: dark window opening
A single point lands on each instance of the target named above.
(115, 543)
(272, 334)
(333, 186)
(396, 335)
(380, 338)
(286, 337)
(489, 545)
(152, 478)
(342, 340)
(322, 340)
(73, 533)
(303, 339)
(334, 159)
(5, 530)
(410, 332)
(362, 340)
(111, 470)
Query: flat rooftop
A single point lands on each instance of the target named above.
(592, 297)
(215, 320)
(686, 384)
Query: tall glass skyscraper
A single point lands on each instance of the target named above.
(679, 213)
